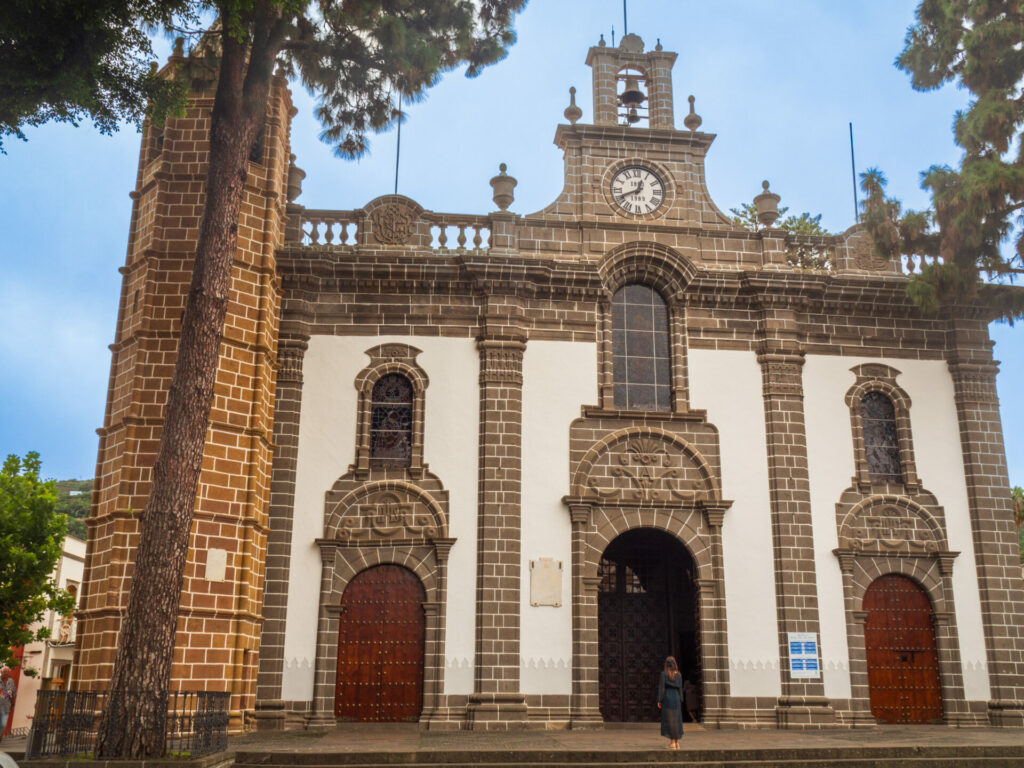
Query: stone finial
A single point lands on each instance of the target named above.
(658, 46)
(601, 43)
(767, 204)
(572, 112)
(295, 177)
(692, 121)
(179, 47)
(153, 68)
(503, 184)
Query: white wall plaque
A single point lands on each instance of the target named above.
(546, 582)
(803, 655)
(216, 564)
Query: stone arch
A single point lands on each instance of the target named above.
(923, 572)
(631, 455)
(610, 527)
(662, 268)
(383, 510)
(418, 560)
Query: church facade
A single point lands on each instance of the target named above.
(489, 471)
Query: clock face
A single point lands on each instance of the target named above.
(638, 190)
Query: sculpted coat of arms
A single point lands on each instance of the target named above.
(393, 224)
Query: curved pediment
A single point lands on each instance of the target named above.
(386, 511)
(639, 465)
(890, 524)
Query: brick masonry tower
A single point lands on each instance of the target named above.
(221, 606)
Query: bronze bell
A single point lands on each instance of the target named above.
(632, 116)
(632, 96)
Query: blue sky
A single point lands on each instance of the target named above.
(777, 82)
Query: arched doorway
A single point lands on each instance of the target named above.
(646, 610)
(380, 647)
(903, 664)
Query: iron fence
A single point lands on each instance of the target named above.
(65, 722)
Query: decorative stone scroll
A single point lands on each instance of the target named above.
(888, 528)
(393, 223)
(646, 467)
(386, 515)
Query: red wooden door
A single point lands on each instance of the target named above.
(380, 647)
(903, 664)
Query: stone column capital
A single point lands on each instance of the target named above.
(501, 361)
(443, 547)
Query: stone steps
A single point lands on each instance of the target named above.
(839, 757)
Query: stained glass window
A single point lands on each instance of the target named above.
(640, 349)
(881, 441)
(391, 421)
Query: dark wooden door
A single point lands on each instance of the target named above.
(903, 664)
(632, 635)
(645, 612)
(380, 647)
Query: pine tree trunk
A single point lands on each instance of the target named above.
(133, 720)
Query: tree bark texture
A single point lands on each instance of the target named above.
(132, 724)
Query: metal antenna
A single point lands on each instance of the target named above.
(613, 37)
(853, 173)
(625, 21)
(398, 144)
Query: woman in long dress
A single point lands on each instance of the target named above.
(670, 702)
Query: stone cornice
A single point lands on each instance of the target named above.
(645, 137)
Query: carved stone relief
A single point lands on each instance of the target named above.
(645, 468)
(888, 529)
(862, 251)
(388, 515)
(393, 223)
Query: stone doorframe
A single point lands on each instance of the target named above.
(342, 563)
(698, 526)
(925, 559)
(383, 522)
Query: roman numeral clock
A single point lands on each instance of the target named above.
(637, 190)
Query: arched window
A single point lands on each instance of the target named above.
(391, 421)
(640, 344)
(881, 440)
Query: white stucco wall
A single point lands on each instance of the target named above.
(939, 462)
(327, 434)
(558, 378)
(727, 384)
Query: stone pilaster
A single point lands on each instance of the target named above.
(713, 627)
(496, 701)
(992, 530)
(270, 712)
(585, 703)
(803, 702)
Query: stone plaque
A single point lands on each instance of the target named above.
(546, 582)
(216, 564)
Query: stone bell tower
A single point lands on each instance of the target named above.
(620, 73)
(220, 615)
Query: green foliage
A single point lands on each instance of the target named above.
(976, 209)
(800, 254)
(66, 60)
(804, 224)
(74, 497)
(31, 534)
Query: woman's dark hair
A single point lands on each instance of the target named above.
(671, 667)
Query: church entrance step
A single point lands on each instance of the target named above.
(850, 757)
